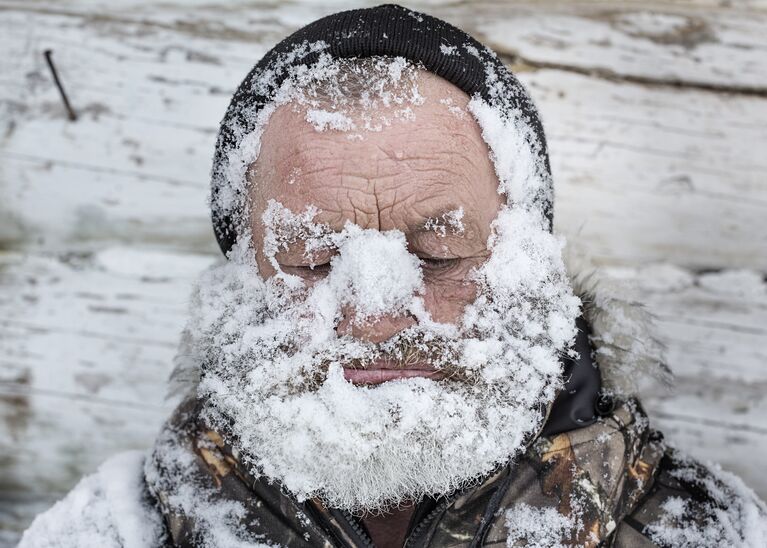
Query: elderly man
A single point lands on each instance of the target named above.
(393, 353)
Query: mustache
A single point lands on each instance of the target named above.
(409, 349)
(405, 351)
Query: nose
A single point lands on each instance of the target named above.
(375, 329)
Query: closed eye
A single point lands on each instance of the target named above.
(307, 270)
(324, 267)
(439, 263)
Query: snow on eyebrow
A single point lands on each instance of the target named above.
(452, 220)
(356, 277)
(283, 228)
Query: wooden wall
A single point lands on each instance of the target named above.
(657, 121)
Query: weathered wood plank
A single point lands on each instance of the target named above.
(61, 204)
(714, 48)
(86, 345)
(713, 326)
(67, 320)
(698, 420)
(652, 174)
(656, 116)
(644, 173)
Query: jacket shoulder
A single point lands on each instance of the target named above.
(694, 505)
(106, 509)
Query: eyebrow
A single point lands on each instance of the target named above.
(421, 227)
(427, 225)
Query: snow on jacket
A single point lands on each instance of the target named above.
(614, 483)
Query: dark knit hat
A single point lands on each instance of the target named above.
(386, 30)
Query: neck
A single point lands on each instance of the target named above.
(389, 530)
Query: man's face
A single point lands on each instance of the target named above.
(414, 176)
(390, 328)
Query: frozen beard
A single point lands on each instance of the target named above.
(272, 363)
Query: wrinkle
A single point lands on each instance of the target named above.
(391, 179)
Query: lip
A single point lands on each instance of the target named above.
(381, 371)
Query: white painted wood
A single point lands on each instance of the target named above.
(714, 327)
(86, 346)
(644, 173)
(704, 47)
(106, 224)
(656, 174)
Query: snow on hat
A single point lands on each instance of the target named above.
(506, 113)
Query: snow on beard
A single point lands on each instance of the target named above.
(274, 380)
(273, 362)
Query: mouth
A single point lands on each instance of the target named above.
(381, 371)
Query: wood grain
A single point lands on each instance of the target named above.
(656, 116)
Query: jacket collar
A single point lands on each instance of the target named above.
(593, 476)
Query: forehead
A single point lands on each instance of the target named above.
(420, 166)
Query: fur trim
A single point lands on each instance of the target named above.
(185, 377)
(630, 356)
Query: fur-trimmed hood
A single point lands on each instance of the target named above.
(623, 333)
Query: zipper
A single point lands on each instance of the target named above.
(364, 541)
(425, 523)
(419, 530)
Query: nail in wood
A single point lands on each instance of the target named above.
(48, 53)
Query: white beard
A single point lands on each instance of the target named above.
(274, 385)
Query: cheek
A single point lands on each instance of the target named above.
(446, 300)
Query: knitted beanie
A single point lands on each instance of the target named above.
(386, 30)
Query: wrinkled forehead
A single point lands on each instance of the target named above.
(391, 169)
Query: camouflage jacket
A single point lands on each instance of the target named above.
(613, 483)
